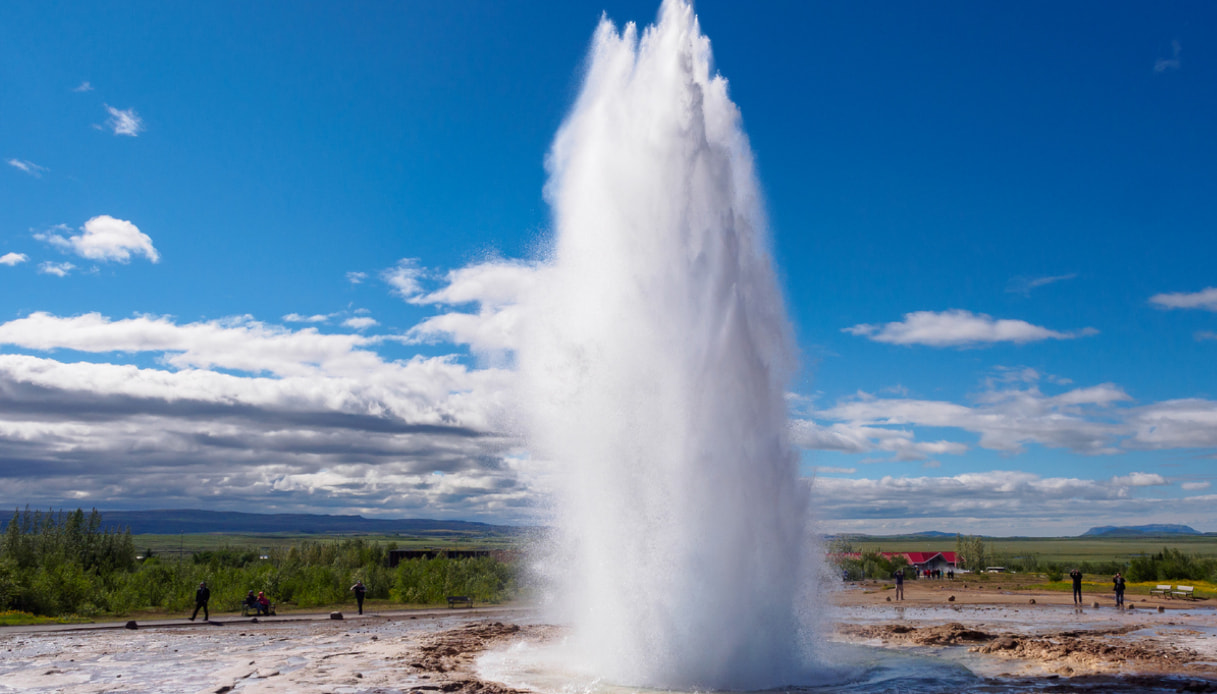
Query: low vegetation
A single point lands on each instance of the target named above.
(65, 564)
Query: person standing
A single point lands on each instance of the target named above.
(899, 584)
(359, 591)
(1118, 580)
(201, 597)
(1077, 586)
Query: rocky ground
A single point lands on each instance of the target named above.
(1010, 638)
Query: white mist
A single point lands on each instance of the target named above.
(655, 354)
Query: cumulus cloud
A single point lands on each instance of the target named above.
(356, 277)
(1005, 419)
(1195, 486)
(12, 259)
(855, 438)
(124, 122)
(1140, 479)
(56, 269)
(404, 278)
(1204, 299)
(958, 328)
(28, 166)
(997, 501)
(495, 288)
(360, 322)
(103, 238)
(294, 419)
(83, 87)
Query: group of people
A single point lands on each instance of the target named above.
(1118, 584)
(259, 604)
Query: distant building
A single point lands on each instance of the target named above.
(918, 561)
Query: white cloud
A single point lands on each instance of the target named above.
(356, 277)
(403, 278)
(28, 166)
(1206, 335)
(958, 328)
(1204, 299)
(1000, 502)
(1195, 486)
(56, 269)
(1024, 285)
(298, 318)
(104, 238)
(360, 322)
(1005, 420)
(12, 259)
(124, 122)
(854, 438)
(83, 87)
(1172, 63)
(296, 420)
(496, 288)
(828, 470)
(1140, 479)
(1184, 423)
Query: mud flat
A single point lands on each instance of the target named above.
(920, 646)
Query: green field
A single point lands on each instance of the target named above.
(187, 544)
(1054, 550)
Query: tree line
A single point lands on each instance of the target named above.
(66, 563)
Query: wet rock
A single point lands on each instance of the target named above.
(335, 615)
(888, 598)
(1031, 601)
(951, 599)
(131, 625)
(1094, 605)
(1161, 609)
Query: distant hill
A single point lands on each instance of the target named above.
(196, 521)
(1137, 530)
(932, 534)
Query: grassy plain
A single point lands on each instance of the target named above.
(1055, 550)
(187, 544)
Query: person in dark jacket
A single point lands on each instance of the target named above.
(1077, 586)
(899, 575)
(201, 596)
(1118, 580)
(359, 590)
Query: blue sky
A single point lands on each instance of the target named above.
(251, 256)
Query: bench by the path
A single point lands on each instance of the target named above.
(1163, 590)
(1188, 592)
(461, 600)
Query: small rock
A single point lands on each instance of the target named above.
(131, 625)
(1132, 607)
(1031, 601)
(951, 599)
(1095, 605)
(375, 638)
(1161, 609)
(888, 598)
(335, 615)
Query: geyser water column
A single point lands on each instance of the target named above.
(655, 354)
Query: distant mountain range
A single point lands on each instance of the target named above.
(1135, 530)
(197, 521)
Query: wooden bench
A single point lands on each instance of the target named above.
(1188, 592)
(1163, 590)
(462, 600)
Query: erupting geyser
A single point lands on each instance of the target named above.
(655, 355)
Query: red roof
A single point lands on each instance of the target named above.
(914, 558)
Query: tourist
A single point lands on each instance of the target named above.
(263, 604)
(899, 584)
(250, 603)
(1119, 582)
(1077, 586)
(201, 596)
(359, 593)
